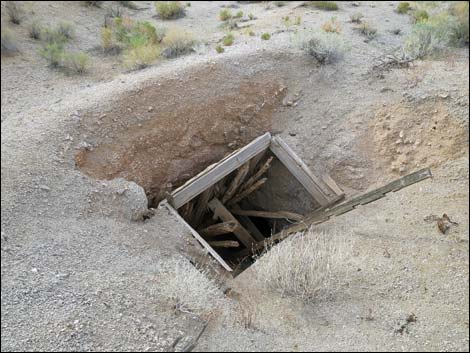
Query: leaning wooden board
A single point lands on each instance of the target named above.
(216, 172)
(325, 214)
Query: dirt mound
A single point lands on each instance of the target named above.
(162, 135)
(408, 137)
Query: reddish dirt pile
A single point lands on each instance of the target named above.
(162, 135)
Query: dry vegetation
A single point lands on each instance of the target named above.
(300, 266)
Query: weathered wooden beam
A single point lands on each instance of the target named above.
(196, 235)
(218, 229)
(319, 191)
(236, 182)
(221, 212)
(237, 198)
(201, 206)
(264, 168)
(325, 214)
(246, 222)
(269, 214)
(217, 171)
(224, 244)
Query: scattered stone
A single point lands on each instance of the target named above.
(385, 89)
(44, 187)
(150, 109)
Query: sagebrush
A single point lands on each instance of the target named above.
(324, 47)
(169, 9)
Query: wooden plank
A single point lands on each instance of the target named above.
(325, 214)
(236, 182)
(201, 206)
(224, 243)
(221, 212)
(216, 172)
(264, 168)
(298, 169)
(196, 235)
(269, 214)
(218, 229)
(332, 185)
(247, 192)
(250, 226)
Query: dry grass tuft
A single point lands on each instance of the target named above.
(324, 5)
(324, 47)
(300, 266)
(178, 42)
(140, 56)
(188, 288)
(331, 26)
(14, 11)
(9, 45)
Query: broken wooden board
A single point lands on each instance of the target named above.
(196, 235)
(349, 205)
(218, 229)
(217, 171)
(320, 191)
(240, 232)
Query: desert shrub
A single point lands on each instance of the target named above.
(239, 14)
(107, 42)
(173, 281)
(324, 47)
(299, 267)
(92, 3)
(169, 9)
(265, 36)
(279, 3)
(367, 30)
(403, 7)
(53, 53)
(356, 17)
(251, 17)
(151, 33)
(324, 5)
(137, 57)
(228, 40)
(460, 27)
(35, 30)
(298, 20)
(65, 29)
(420, 15)
(426, 39)
(225, 14)
(251, 33)
(76, 62)
(219, 49)
(178, 42)
(129, 4)
(331, 26)
(53, 35)
(14, 11)
(8, 43)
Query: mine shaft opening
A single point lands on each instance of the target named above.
(238, 213)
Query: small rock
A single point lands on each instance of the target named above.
(150, 109)
(44, 187)
(34, 270)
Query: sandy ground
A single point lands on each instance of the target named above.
(79, 274)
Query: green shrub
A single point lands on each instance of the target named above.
(76, 62)
(53, 53)
(178, 42)
(219, 49)
(239, 14)
(169, 9)
(225, 14)
(356, 17)
(228, 40)
(251, 17)
(14, 11)
(325, 5)
(298, 20)
(8, 43)
(107, 42)
(65, 29)
(139, 57)
(460, 27)
(52, 35)
(420, 15)
(35, 30)
(265, 36)
(324, 47)
(427, 38)
(279, 3)
(403, 7)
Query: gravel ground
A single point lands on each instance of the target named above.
(79, 273)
